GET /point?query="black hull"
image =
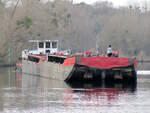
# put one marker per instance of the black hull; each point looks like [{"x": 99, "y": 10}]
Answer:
[{"x": 83, "y": 73}]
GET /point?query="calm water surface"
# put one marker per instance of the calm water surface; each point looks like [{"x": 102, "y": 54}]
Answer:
[{"x": 32, "y": 94}]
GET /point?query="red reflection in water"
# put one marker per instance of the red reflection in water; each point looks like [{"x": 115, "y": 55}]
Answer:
[
  {"x": 92, "y": 96},
  {"x": 19, "y": 79}
]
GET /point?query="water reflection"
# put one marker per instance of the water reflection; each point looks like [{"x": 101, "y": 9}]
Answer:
[
  {"x": 121, "y": 85},
  {"x": 27, "y": 93},
  {"x": 97, "y": 92}
]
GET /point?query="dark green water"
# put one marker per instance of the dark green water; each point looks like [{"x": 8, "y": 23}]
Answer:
[{"x": 32, "y": 94}]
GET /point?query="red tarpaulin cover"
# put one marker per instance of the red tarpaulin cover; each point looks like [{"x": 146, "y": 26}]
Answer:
[{"x": 102, "y": 62}]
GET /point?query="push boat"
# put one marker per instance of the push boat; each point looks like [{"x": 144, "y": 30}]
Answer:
[{"x": 47, "y": 62}]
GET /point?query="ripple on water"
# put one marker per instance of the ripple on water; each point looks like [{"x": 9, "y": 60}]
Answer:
[{"x": 31, "y": 94}]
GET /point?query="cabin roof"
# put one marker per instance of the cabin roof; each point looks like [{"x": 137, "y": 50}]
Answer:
[{"x": 43, "y": 41}]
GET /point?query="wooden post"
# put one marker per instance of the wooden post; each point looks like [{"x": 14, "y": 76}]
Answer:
[{"x": 9, "y": 56}]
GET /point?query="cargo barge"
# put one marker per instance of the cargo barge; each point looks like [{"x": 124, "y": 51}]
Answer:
[{"x": 71, "y": 67}]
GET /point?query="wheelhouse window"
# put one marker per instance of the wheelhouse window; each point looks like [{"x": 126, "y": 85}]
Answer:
[
  {"x": 47, "y": 51},
  {"x": 54, "y": 44},
  {"x": 48, "y": 45},
  {"x": 41, "y": 44}
]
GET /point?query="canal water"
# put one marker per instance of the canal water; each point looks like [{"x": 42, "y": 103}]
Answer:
[{"x": 21, "y": 93}]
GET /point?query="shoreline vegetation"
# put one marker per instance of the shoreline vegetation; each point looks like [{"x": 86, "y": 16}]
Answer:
[{"x": 76, "y": 26}]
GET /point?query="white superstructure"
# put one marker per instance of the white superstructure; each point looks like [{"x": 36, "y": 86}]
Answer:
[{"x": 43, "y": 47}]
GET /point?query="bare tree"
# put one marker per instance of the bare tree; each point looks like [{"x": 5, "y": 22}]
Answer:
[{"x": 77, "y": 26}]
